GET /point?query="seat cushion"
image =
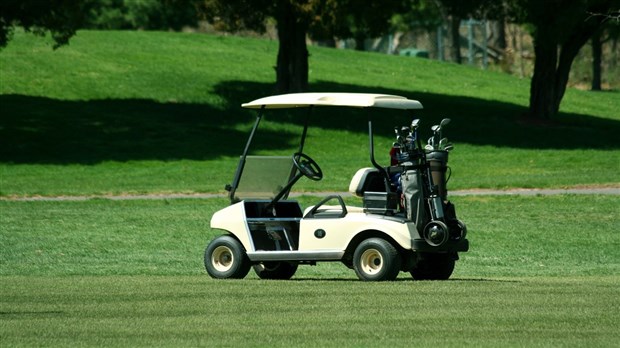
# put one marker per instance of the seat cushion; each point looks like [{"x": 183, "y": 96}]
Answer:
[{"x": 366, "y": 179}]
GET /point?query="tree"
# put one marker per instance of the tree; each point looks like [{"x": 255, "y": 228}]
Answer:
[
  {"x": 295, "y": 20},
  {"x": 609, "y": 31},
  {"x": 61, "y": 18},
  {"x": 292, "y": 18},
  {"x": 416, "y": 14},
  {"x": 359, "y": 19},
  {"x": 559, "y": 29},
  {"x": 597, "y": 54},
  {"x": 142, "y": 14},
  {"x": 292, "y": 61}
]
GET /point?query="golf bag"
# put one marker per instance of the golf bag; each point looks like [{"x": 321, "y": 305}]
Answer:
[
  {"x": 423, "y": 189},
  {"x": 413, "y": 197}
]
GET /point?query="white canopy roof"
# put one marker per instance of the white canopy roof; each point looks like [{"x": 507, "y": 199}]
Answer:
[{"x": 360, "y": 100}]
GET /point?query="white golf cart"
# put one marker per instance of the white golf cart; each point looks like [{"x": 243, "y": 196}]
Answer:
[{"x": 404, "y": 224}]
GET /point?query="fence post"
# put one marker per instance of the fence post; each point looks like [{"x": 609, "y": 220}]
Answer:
[
  {"x": 485, "y": 45},
  {"x": 470, "y": 42}
]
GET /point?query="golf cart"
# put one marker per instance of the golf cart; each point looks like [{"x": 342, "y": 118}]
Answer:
[{"x": 405, "y": 224}]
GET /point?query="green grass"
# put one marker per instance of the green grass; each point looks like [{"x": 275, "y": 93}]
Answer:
[
  {"x": 138, "y": 112},
  {"x": 542, "y": 271},
  {"x": 517, "y": 236},
  {"x": 128, "y": 112},
  {"x": 140, "y": 311}
]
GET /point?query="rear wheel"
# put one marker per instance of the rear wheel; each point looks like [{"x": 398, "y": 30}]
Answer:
[
  {"x": 226, "y": 258},
  {"x": 275, "y": 270},
  {"x": 375, "y": 259},
  {"x": 434, "y": 267}
]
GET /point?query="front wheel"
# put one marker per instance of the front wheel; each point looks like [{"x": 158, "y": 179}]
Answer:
[
  {"x": 275, "y": 270},
  {"x": 375, "y": 259},
  {"x": 226, "y": 258}
]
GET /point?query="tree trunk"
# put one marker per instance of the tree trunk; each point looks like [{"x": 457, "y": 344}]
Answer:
[
  {"x": 542, "y": 88},
  {"x": 569, "y": 51},
  {"x": 597, "y": 53},
  {"x": 551, "y": 77},
  {"x": 455, "y": 38},
  {"x": 551, "y": 71},
  {"x": 292, "y": 62}
]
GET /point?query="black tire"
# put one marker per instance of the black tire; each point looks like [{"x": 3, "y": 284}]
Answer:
[
  {"x": 434, "y": 267},
  {"x": 226, "y": 258},
  {"x": 275, "y": 270},
  {"x": 375, "y": 259}
]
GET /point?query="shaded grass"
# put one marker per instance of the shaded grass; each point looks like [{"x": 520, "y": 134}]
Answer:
[{"x": 143, "y": 112}]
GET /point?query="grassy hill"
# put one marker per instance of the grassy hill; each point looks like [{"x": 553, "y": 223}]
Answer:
[{"x": 118, "y": 112}]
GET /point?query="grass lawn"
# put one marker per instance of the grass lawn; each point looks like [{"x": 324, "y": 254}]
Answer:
[
  {"x": 542, "y": 271},
  {"x": 509, "y": 236},
  {"x": 142, "y": 311},
  {"x": 140, "y": 112},
  {"x": 153, "y": 112}
]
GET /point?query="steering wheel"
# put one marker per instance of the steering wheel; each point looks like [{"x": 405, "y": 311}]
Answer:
[{"x": 307, "y": 166}]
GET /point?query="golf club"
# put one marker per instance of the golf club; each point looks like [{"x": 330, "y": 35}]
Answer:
[{"x": 442, "y": 143}]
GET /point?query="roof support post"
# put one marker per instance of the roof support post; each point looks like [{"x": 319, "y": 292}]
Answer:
[
  {"x": 233, "y": 187},
  {"x": 305, "y": 131},
  {"x": 386, "y": 177}
]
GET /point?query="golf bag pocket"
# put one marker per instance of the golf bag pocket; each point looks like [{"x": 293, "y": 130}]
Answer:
[{"x": 413, "y": 197}]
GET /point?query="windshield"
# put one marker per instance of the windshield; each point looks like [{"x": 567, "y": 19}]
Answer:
[{"x": 264, "y": 176}]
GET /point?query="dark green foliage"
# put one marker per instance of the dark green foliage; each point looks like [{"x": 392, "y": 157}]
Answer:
[
  {"x": 59, "y": 17},
  {"x": 142, "y": 14}
]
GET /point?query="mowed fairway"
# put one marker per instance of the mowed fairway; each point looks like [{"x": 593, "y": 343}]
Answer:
[
  {"x": 195, "y": 310},
  {"x": 542, "y": 271}
]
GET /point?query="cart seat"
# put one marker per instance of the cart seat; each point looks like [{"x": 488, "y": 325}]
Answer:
[{"x": 366, "y": 179}]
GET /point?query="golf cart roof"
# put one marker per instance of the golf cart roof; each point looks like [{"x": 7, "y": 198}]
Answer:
[{"x": 360, "y": 100}]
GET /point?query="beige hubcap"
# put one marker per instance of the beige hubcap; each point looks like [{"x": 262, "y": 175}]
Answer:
[
  {"x": 222, "y": 258},
  {"x": 371, "y": 261}
]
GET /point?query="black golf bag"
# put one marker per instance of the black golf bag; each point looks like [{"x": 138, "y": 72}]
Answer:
[{"x": 423, "y": 186}]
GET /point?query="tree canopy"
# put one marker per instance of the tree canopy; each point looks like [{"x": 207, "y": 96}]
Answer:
[
  {"x": 142, "y": 14},
  {"x": 59, "y": 17},
  {"x": 62, "y": 18}
]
